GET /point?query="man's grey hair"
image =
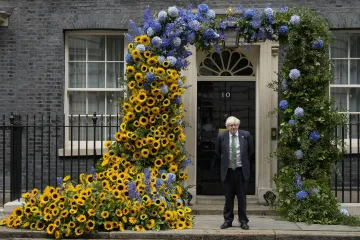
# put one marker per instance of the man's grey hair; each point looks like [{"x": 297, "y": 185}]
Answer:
[{"x": 232, "y": 120}]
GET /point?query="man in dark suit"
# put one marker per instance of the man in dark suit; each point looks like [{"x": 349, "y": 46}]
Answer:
[{"x": 234, "y": 148}]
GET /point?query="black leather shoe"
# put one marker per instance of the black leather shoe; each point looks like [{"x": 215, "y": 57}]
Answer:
[
  {"x": 244, "y": 225},
  {"x": 225, "y": 225}
]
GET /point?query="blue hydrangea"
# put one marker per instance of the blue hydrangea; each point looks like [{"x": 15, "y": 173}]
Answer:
[
  {"x": 129, "y": 58},
  {"x": 159, "y": 183},
  {"x": 295, "y": 19},
  {"x": 314, "y": 190},
  {"x": 156, "y": 41},
  {"x": 301, "y": 195},
  {"x": 294, "y": 74},
  {"x": 185, "y": 163},
  {"x": 191, "y": 38},
  {"x": 164, "y": 89},
  {"x": 150, "y": 31},
  {"x": 177, "y": 101},
  {"x": 173, "y": 12},
  {"x": 292, "y": 122},
  {"x": 203, "y": 8},
  {"x": 194, "y": 25},
  {"x": 162, "y": 171},
  {"x": 150, "y": 77},
  {"x": 318, "y": 44},
  {"x": 299, "y": 183},
  {"x": 59, "y": 181},
  {"x": 249, "y": 14},
  {"x": 314, "y": 136},
  {"x": 283, "y": 105},
  {"x": 177, "y": 42},
  {"x": 283, "y": 30},
  {"x": 146, "y": 86},
  {"x": 256, "y": 23},
  {"x": 345, "y": 212},
  {"x": 210, "y": 34},
  {"x": 172, "y": 60},
  {"x": 283, "y": 9},
  {"x": 299, "y": 154},
  {"x": 180, "y": 83},
  {"x": 162, "y": 15},
  {"x": 161, "y": 59},
  {"x": 269, "y": 13},
  {"x": 210, "y": 14},
  {"x": 284, "y": 85},
  {"x": 299, "y": 112},
  {"x": 141, "y": 47},
  {"x": 92, "y": 170}
]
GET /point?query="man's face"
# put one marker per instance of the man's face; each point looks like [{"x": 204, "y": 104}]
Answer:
[{"x": 233, "y": 128}]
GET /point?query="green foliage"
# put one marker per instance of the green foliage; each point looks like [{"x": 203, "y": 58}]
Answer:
[{"x": 310, "y": 92}]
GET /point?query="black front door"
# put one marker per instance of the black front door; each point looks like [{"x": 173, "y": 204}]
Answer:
[{"x": 216, "y": 101}]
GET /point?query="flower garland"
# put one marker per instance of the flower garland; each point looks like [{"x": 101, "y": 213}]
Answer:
[{"x": 138, "y": 182}]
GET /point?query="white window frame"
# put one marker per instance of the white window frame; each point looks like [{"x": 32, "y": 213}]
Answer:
[
  {"x": 354, "y": 141},
  {"x": 90, "y": 144}
]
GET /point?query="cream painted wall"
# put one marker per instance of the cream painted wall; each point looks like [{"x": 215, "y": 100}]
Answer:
[{"x": 265, "y": 59}]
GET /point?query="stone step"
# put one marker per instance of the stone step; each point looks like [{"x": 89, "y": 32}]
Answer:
[
  {"x": 200, "y": 199},
  {"x": 218, "y": 209}
]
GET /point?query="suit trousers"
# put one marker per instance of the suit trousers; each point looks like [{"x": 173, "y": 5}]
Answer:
[{"x": 235, "y": 184}]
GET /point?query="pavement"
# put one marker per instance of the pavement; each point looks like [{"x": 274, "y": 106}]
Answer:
[{"x": 207, "y": 227}]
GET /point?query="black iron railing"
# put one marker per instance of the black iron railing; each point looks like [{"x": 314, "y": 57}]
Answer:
[{"x": 35, "y": 150}]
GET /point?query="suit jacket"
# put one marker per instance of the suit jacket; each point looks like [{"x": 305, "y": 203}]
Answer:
[{"x": 246, "y": 150}]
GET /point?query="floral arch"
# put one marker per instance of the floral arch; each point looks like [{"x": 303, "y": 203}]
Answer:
[{"x": 138, "y": 183}]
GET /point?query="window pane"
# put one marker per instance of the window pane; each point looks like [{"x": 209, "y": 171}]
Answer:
[
  {"x": 355, "y": 71},
  {"x": 339, "y": 48},
  {"x": 77, "y": 48},
  {"x": 340, "y": 96},
  {"x": 355, "y": 128},
  {"x": 355, "y": 45},
  {"x": 354, "y": 99},
  {"x": 96, "y": 75},
  {"x": 77, "y": 103},
  {"x": 86, "y": 132},
  {"x": 96, "y": 101},
  {"x": 114, "y": 72},
  {"x": 340, "y": 71},
  {"x": 96, "y": 48},
  {"x": 113, "y": 105},
  {"x": 77, "y": 77},
  {"x": 115, "y": 48},
  {"x": 114, "y": 127}
]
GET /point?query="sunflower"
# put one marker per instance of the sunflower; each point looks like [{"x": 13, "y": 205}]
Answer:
[
  {"x": 181, "y": 137},
  {"x": 139, "y": 77},
  {"x": 35, "y": 191},
  {"x": 138, "y": 39},
  {"x": 180, "y": 212},
  {"x": 72, "y": 224},
  {"x": 164, "y": 176},
  {"x": 50, "y": 229},
  {"x": 150, "y": 101},
  {"x": 174, "y": 87},
  {"x": 136, "y": 123},
  {"x": 179, "y": 204},
  {"x": 164, "y": 142},
  {"x": 180, "y": 225},
  {"x": 137, "y": 58},
  {"x": 153, "y": 151},
  {"x": 67, "y": 178},
  {"x": 81, "y": 218},
  {"x": 104, "y": 214},
  {"x": 130, "y": 70},
  {"x": 18, "y": 211},
  {"x": 143, "y": 120},
  {"x": 141, "y": 97},
  {"x": 145, "y": 153},
  {"x": 151, "y": 61},
  {"x": 130, "y": 46},
  {"x": 39, "y": 225},
  {"x": 138, "y": 108},
  {"x": 131, "y": 84},
  {"x": 135, "y": 52},
  {"x": 144, "y": 39},
  {"x": 55, "y": 212},
  {"x": 166, "y": 102},
  {"x": 147, "y": 54},
  {"x": 107, "y": 144},
  {"x": 144, "y": 68},
  {"x": 78, "y": 231},
  {"x": 130, "y": 115},
  {"x": 155, "y": 110},
  {"x": 166, "y": 63}
]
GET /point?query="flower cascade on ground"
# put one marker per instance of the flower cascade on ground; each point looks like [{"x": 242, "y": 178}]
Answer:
[{"x": 138, "y": 182}]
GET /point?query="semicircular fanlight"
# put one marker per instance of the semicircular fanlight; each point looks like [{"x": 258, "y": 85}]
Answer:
[{"x": 226, "y": 63}]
